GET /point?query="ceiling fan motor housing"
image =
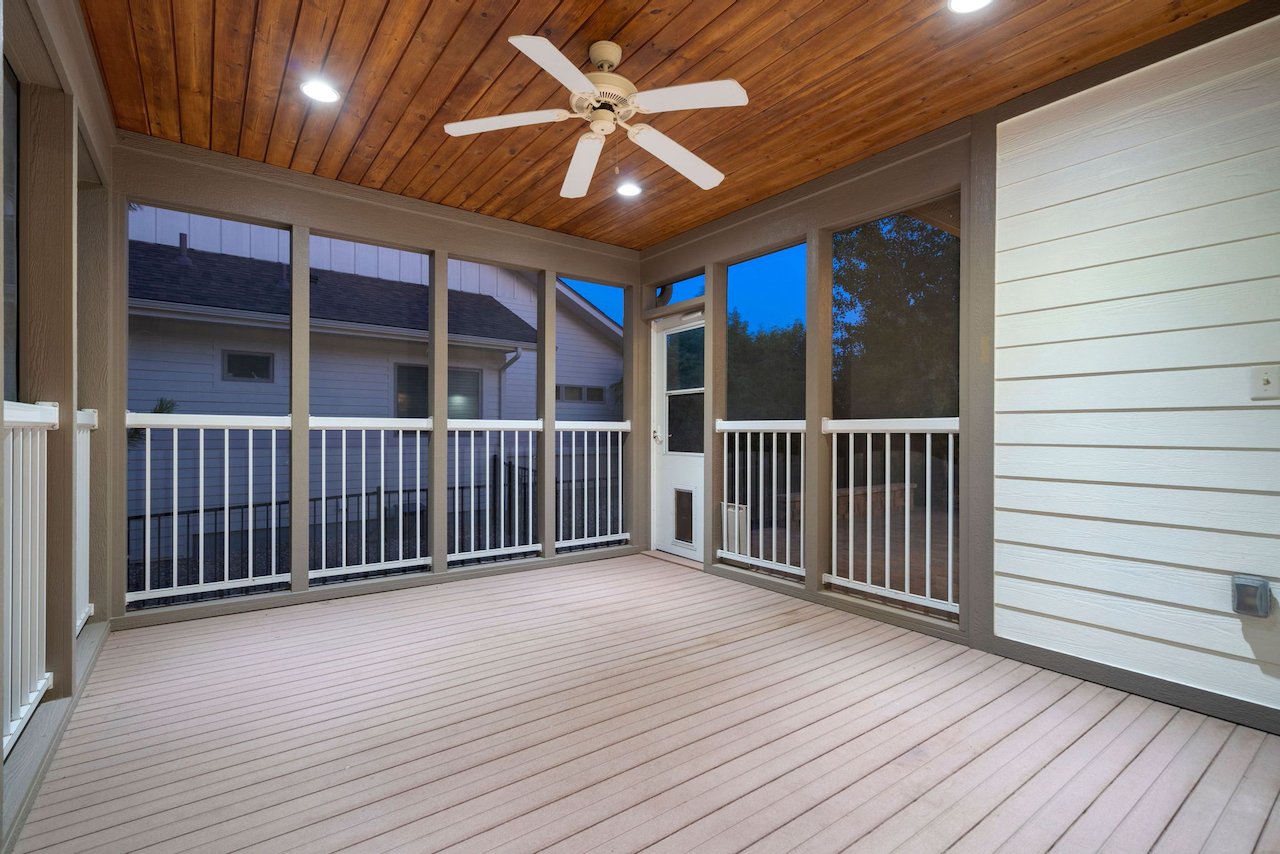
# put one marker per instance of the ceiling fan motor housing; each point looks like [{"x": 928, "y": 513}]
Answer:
[{"x": 614, "y": 99}]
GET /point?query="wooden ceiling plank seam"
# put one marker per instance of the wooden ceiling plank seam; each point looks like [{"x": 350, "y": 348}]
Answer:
[
  {"x": 306, "y": 57},
  {"x": 392, "y": 38},
  {"x": 341, "y": 70},
  {"x": 488, "y": 64},
  {"x": 516, "y": 176},
  {"x": 233, "y": 30},
  {"x": 464, "y": 163},
  {"x": 436, "y": 31},
  {"x": 514, "y": 75},
  {"x": 193, "y": 48},
  {"x": 111, "y": 23},
  {"x": 906, "y": 128},
  {"x": 273, "y": 36},
  {"x": 488, "y": 153},
  {"x": 774, "y": 108},
  {"x": 157, "y": 65}
]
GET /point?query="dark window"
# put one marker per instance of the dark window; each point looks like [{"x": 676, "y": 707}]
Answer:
[
  {"x": 595, "y": 395},
  {"x": 248, "y": 367},
  {"x": 412, "y": 396},
  {"x": 464, "y": 393},
  {"x": 10, "y": 234},
  {"x": 684, "y": 359},
  {"x": 573, "y": 393}
]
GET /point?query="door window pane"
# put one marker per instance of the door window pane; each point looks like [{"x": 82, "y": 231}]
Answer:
[
  {"x": 684, "y": 359},
  {"x": 684, "y": 423}
]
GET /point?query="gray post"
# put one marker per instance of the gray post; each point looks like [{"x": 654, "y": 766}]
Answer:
[
  {"x": 299, "y": 407},
  {"x": 438, "y": 475},
  {"x": 547, "y": 412},
  {"x": 817, "y": 405}
]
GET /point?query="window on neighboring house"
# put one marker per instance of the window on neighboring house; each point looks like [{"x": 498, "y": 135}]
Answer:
[
  {"x": 464, "y": 393},
  {"x": 578, "y": 393},
  {"x": 248, "y": 367},
  {"x": 10, "y": 234},
  {"x": 412, "y": 395}
]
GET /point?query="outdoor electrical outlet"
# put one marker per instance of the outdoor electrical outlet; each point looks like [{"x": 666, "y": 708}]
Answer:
[{"x": 1264, "y": 382}]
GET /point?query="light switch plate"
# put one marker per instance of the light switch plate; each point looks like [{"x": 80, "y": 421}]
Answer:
[{"x": 1264, "y": 382}]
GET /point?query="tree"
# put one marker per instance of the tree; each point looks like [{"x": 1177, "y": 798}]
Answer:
[
  {"x": 896, "y": 320},
  {"x": 766, "y": 371}
]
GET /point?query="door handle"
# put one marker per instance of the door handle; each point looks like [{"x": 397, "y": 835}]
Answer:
[{"x": 657, "y": 438}]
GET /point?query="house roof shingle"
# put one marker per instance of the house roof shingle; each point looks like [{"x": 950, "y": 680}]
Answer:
[{"x": 214, "y": 280}]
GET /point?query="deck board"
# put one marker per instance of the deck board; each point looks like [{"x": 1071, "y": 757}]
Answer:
[{"x": 621, "y": 705}]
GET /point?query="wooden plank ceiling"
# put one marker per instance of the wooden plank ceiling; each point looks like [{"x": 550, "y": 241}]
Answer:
[{"x": 830, "y": 82}]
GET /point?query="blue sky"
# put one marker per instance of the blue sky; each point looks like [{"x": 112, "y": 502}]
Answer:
[{"x": 767, "y": 291}]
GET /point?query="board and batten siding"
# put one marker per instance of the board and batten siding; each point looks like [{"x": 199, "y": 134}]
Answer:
[{"x": 1137, "y": 280}]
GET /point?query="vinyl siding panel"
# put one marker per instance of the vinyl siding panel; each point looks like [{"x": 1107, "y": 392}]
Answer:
[{"x": 1137, "y": 281}]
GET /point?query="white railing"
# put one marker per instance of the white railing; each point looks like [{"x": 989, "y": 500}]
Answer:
[
  {"x": 208, "y": 504},
  {"x": 762, "y": 514},
  {"x": 369, "y": 483},
  {"x": 589, "y": 486},
  {"x": 492, "y": 508},
  {"x": 894, "y": 509},
  {"x": 26, "y": 477},
  {"x": 82, "y": 608}
]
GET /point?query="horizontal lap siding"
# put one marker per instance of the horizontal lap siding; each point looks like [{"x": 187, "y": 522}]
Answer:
[{"x": 1138, "y": 279}]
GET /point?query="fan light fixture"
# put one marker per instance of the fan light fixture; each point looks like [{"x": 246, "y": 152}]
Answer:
[
  {"x": 965, "y": 6},
  {"x": 608, "y": 102},
  {"x": 318, "y": 90}
]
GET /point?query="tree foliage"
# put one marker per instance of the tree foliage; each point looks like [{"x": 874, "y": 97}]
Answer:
[
  {"x": 766, "y": 370},
  {"x": 896, "y": 320}
]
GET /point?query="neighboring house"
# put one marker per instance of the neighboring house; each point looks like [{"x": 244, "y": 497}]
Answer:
[
  {"x": 209, "y": 329},
  {"x": 209, "y": 304}
]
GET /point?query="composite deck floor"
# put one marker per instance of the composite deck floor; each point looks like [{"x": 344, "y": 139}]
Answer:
[{"x": 621, "y": 705}]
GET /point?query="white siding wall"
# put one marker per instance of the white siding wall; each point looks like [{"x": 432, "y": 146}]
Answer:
[{"x": 1138, "y": 278}]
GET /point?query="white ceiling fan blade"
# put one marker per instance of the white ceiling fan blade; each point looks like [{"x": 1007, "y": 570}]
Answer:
[
  {"x": 583, "y": 166},
  {"x": 676, "y": 156},
  {"x": 511, "y": 120},
  {"x": 553, "y": 62},
  {"x": 691, "y": 96}
]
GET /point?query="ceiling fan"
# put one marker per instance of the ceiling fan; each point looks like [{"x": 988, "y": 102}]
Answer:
[{"x": 607, "y": 101}]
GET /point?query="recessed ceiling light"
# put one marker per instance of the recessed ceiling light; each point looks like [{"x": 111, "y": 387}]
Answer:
[
  {"x": 628, "y": 188},
  {"x": 964, "y": 6},
  {"x": 318, "y": 90}
]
